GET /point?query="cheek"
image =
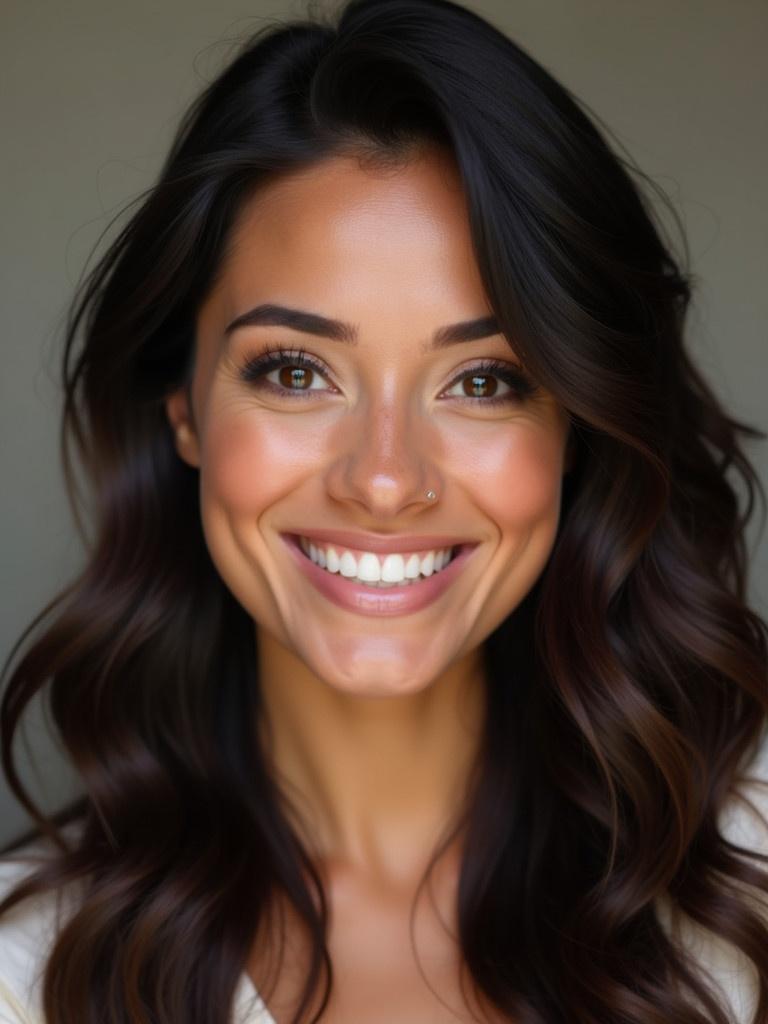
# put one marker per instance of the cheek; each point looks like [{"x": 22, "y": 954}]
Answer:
[
  {"x": 246, "y": 462},
  {"x": 516, "y": 477}
]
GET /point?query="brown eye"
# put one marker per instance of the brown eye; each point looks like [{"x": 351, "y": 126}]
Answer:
[
  {"x": 294, "y": 378},
  {"x": 296, "y": 372},
  {"x": 480, "y": 385}
]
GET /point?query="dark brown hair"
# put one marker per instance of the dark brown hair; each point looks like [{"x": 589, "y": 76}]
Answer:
[{"x": 626, "y": 693}]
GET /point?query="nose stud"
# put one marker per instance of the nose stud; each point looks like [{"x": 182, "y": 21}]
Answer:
[{"x": 431, "y": 495}]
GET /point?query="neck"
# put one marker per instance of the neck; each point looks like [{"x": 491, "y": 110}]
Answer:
[{"x": 371, "y": 783}]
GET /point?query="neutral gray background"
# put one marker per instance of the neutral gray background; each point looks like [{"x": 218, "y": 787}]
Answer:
[{"x": 90, "y": 93}]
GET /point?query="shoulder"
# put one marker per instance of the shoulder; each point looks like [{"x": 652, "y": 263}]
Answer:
[
  {"x": 741, "y": 820},
  {"x": 741, "y": 823},
  {"x": 27, "y": 932}
]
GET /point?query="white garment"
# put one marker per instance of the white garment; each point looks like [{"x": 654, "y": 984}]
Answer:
[{"x": 27, "y": 932}]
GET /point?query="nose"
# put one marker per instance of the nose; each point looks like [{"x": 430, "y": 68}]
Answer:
[{"x": 387, "y": 461}]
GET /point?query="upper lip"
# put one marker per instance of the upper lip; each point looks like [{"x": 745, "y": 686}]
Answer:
[{"x": 382, "y": 545}]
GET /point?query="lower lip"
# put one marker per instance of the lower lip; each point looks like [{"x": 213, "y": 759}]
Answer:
[{"x": 356, "y": 597}]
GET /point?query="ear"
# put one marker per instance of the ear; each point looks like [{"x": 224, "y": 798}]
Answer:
[{"x": 177, "y": 407}]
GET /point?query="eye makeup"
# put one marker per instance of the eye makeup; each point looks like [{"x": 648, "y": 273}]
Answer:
[{"x": 270, "y": 357}]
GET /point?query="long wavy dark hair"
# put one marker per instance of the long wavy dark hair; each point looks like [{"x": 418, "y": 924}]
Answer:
[{"x": 627, "y": 692}]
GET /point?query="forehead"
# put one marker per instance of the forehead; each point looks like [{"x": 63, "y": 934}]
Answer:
[{"x": 341, "y": 235}]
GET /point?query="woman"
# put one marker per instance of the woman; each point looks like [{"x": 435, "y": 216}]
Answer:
[{"x": 410, "y": 676}]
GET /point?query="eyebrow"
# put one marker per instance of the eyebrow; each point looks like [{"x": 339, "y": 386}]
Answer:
[{"x": 272, "y": 315}]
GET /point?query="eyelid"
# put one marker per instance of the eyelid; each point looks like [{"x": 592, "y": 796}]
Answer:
[{"x": 491, "y": 364}]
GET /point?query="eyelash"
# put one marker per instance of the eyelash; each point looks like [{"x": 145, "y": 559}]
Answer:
[{"x": 271, "y": 358}]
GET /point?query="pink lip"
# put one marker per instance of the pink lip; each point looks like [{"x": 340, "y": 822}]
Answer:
[
  {"x": 361, "y": 541},
  {"x": 373, "y": 601}
]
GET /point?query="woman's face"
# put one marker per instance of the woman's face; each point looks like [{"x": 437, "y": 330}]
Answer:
[{"x": 355, "y": 440}]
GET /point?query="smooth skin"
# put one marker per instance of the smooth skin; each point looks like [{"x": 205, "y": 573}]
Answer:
[{"x": 371, "y": 724}]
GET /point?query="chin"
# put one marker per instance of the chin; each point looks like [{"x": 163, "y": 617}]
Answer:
[
  {"x": 377, "y": 687},
  {"x": 361, "y": 664}
]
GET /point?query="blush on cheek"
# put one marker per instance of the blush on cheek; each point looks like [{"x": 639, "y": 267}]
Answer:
[
  {"x": 521, "y": 481},
  {"x": 529, "y": 492},
  {"x": 244, "y": 467}
]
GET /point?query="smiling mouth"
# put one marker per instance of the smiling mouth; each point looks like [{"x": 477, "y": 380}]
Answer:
[
  {"x": 399, "y": 570},
  {"x": 397, "y": 599}
]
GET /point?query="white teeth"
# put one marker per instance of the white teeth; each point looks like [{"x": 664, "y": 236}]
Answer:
[
  {"x": 348, "y": 565},
  {"x": 393, "y": 570},
  {"x": 368, "y": 568},
  {"x": 412, "y": 567}
]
